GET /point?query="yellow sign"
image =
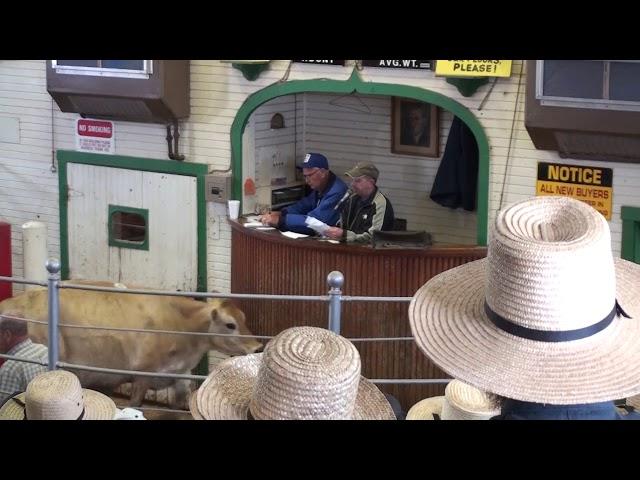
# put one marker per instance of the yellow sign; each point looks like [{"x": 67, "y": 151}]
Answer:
[
  {"x": 474, "y": 68},
  {"x": 592, "y": 185}
]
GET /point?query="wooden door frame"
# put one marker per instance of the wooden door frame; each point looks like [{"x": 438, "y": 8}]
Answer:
[
  {"x": 198, "y": 170},
  {"x": 355, "y": 84}
]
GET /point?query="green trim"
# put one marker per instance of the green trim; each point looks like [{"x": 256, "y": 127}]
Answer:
[
  {"x": 467, "y": 86},
  {"x": 197, "y": 170},
  {"x": 202, "y": 231},
  {"x": 114, "y": 242},
  {"x": 251, "y": 71},
  {"x": 630, "y": 213},
  {"x": 355, "y": 84},
  {"x": 630, "y": 234},
  {"x": 63, "y": 202},
  {"x": 134, "y": 163}
]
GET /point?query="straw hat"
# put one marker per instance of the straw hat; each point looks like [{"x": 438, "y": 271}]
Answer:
[
  {"x": 426, "y": 409},
  {"x": 460, "y": 402},
  {"x": 305, "y": 373},
  {"x": 57, "y": 395},
  {"x": 193, "y": 406},
  {"x": 634, "y": 402},
  {"x": 552, "y": 289}
]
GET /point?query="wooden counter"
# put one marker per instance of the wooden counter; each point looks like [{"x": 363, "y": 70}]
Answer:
[{"x": 269, "y": 263}]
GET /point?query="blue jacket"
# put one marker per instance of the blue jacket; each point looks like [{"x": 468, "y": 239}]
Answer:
[
  {"x": 516, "y": 410},
  {"x": 317, "y": 205}
]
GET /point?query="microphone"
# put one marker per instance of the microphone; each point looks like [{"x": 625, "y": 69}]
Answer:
[{"x": 346, "y": 195}]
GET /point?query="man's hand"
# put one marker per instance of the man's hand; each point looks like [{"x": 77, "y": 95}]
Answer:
[
  {"x": 335, "y": 233},
  {"x": 272, "y": 219}
]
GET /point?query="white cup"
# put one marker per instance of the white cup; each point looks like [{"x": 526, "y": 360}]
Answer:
[{"x": 234, "y": 209}]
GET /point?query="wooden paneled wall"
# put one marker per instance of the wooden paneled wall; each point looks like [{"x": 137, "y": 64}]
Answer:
[{"x": 268, "y": 263}]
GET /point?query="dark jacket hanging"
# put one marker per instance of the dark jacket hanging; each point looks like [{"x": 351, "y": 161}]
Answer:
[{"x": 456, "y": 182}]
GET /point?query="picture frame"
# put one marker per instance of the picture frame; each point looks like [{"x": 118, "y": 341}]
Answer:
[{"x": 414, "y": 127}]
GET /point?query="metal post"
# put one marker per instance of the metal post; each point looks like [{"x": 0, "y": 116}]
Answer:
[
  {"x": 53, "y": 267},
  {"x": 335, "y": 280}
]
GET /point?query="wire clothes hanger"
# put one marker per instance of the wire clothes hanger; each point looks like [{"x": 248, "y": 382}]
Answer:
[{"x": 357, "y": 106}]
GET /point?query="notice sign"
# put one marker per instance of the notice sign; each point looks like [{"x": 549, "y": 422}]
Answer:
[
  {"x": 322, "y": 62},
  {"x": 95, "y": 136},
  {"x": 410, "y": 64},
  {"x": 474, "y": 68},
  {"x": 592, "y": 185}
]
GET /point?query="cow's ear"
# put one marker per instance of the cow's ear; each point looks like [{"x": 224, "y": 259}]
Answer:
[{"x": 226, "y": 303}]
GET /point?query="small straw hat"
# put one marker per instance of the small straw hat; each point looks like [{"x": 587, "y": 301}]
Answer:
[
  {"x": 427, "y": 409},
  {"x": 305, "y": 373},
  {"x": 542, "y": 318},
  {"x": 460, "y": 402},
  {"x": 57, "y": 395},
  {"x": 634, "y": 402}
]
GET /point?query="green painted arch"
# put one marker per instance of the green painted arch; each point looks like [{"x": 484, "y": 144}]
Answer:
[{"x": 356, "y": 85}]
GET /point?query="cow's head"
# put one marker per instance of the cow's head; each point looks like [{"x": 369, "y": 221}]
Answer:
[{"x": 228, "y": 318}]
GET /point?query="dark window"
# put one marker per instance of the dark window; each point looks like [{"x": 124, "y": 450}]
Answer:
[
  {"x": 124, "y": 64},
  {"x": 79, "y": 63},
  {"x": 573, "y": 78},
  {"x": 624, "y": 82},
  {"x": 104, "y": 68},
  {"x": 128, "y": 227},
  {"x": 610, "y": 84}
]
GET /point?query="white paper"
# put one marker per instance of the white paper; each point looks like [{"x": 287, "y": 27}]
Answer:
[
  {"x": 253, "y": 224},
  {"x": 317, "y": 225},
  {"x": 328, "y": 240},
  {"x": 294, "y": 234}
]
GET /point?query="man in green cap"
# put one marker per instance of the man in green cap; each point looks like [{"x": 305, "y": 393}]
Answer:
[{"x": 365, "y": 210}]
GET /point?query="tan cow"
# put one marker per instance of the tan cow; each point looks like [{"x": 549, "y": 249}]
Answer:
[{"x": 128, "y": 350}]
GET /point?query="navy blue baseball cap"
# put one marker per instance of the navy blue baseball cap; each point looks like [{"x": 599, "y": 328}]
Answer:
[{"x": 314, "y": 160}]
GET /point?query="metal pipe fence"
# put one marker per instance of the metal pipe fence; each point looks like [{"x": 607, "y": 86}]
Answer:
[{"x": 335, "y": 282}]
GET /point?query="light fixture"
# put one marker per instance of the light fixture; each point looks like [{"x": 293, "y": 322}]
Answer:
[{"x": 250, "y": 69}]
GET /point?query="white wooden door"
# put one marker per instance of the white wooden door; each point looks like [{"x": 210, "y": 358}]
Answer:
[{"x": 170, "y": 263}]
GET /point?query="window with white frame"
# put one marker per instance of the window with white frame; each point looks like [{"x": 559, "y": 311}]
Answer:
[
  {"x": 604, "y": 84},
  {"x": 105, "y": 68}
]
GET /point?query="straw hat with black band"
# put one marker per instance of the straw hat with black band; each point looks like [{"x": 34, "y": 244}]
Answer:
[
  {"x": 57, "y": 395},
  {"x": 305, "y": 373},
  {"x": 544, "y": 318}
]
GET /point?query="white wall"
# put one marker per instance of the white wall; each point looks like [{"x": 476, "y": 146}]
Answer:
[
  {"x": 353, "y": 128},
  {"x": 348, "y": 131},
  {"x": 28, "y": 189}
]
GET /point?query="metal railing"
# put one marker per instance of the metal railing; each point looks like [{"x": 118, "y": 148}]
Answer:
[{"x": 335, "y": 282}]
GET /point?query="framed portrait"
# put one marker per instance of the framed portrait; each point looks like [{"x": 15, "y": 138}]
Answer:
[{"x": 414, "y": 127}]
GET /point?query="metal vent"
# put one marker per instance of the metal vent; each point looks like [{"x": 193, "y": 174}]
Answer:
[
  {"x": 598, "y": 145},
  {"x": 111, "y": 107}
]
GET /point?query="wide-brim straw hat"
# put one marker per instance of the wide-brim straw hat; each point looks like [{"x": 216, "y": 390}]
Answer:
[
  {"x": 193, "y": 406},
  {"x": 57, "y": 396},
  {"x": 549, "y": 273},
  {"x": 304, "y": 373}
]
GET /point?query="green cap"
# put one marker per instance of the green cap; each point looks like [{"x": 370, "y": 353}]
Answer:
[{"x": 364, "y": 168}]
